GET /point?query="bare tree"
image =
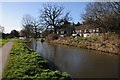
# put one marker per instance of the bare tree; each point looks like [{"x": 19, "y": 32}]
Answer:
[
  {"x": 24, "y": 33},
  {"x": 102, "y": 14},
  {"x": 30, "y": 25},
  {"x": 51, "y": 16},
  {"x": 27, "y": 23},
  {"x": 115, "y": 7},
  {"x": 37, "y": 27}
]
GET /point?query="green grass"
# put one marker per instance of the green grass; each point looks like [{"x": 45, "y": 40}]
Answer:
[
  {"x": 25, "y": 64},
  {"x": 3, "y": 41}
]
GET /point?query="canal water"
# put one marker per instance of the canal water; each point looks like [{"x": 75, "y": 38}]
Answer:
[{"x": 79, "y": 63}]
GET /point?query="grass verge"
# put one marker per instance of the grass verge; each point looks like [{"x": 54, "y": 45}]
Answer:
[
  {"x": 3, "y": 41},
  {"x": 25, "y": 64}
]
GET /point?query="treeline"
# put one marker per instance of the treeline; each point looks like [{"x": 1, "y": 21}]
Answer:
[
  {"x": 105, "y": 15},
  {"x": 12, "y": 34}
]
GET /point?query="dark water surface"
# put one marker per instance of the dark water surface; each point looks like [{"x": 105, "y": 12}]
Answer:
[{"x": 79, "y": 63}]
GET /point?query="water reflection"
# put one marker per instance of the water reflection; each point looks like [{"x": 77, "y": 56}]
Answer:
[{"x": 79, "y": 63}]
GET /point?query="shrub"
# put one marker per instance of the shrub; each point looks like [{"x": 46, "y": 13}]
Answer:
[{"x": 52, "y": 36}]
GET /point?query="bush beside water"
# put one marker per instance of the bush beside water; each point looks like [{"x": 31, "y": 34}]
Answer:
[
  {"x": 25, "y": 64},
  {"x": 52, "y": 37}
]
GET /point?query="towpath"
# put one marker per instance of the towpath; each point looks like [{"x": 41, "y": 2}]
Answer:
[{"x": 4, "y": 53}]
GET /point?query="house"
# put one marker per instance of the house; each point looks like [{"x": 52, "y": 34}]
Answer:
[
  {"x": 62, "y": 33},
  {"x": 86, "y": 30}
]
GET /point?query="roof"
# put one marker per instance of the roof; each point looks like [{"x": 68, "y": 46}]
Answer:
[{"x": 86, "y": 26}]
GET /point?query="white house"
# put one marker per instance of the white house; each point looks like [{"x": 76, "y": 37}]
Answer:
[{"x": 86, "y": 30}]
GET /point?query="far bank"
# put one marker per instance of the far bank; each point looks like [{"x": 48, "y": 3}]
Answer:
[{"x": 107, "y": 42}]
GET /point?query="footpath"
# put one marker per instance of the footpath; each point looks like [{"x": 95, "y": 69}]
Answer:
[{"x": 4, "y": 53}]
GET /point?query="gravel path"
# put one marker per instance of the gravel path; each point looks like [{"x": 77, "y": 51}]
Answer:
[{"x": 4, "y": 53}]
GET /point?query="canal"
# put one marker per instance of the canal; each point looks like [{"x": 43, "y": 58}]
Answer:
[{"x": 79, "y": 63}]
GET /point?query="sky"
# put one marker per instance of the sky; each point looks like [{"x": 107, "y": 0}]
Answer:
[{"x": 13, "y": 12}]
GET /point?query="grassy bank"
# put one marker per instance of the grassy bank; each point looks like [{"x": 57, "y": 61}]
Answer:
[
  {"x": 25, "y": 64},
  {"x": 3, "y": 41}
]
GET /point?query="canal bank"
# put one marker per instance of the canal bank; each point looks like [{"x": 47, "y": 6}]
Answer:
[
  {"x": 79, "y": 62},
  {"x": 105, "y": 42}
]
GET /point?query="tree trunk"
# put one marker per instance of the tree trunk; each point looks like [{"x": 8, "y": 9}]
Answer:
[
  {"x": 55, "y": 29},
  {"x": 35, "y": 32}
]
